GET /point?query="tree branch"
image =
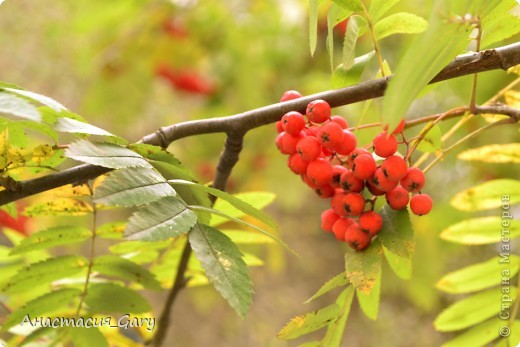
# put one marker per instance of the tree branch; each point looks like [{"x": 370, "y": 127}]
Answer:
[{"x": 499, "y": 58}]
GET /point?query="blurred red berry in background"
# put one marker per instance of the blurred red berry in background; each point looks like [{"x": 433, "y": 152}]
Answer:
[
  {"x": 186, "y": 80},
  {"x": 19, "y": 224}
]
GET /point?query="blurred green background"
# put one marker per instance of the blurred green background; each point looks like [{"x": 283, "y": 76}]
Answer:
[{"x": 131, "y": 66}]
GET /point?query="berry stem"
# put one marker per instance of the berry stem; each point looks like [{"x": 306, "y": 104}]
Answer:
[{"x": 472, "y": 102}]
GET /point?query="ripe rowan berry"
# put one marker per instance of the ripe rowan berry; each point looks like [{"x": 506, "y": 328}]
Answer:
[
  {"x": 356, "y": 238},
  {"x": 414, "y": 180},
  {"x": 336, "y": 203},
  {"x": 398, "y": 198},
  {"x": 398, "y": 129},
  {"x": 340, "y": 227},
  {"x": 290, "y": 95},
  {"x": 308, "y": 181},
  {"x": 319, "y": 171},
  {"x": 373, "y": 189},
  {"x": 279, "y": 126},
  {"x": 287, "y": 143},
  {"x": 340, "y": 120},
  {"x": 394, "y": 167},
  {"x": 353, "y": 204},
  {"x": 350, "y": 183},
  {"x": 325, "y": 191},
  {"x": 337, "y": 171},
  {"x": 330, "y": 135},
  {"x": 382, "y": 182},
  {"x": 371, "y": 222},
  {"x": 354, "y": 154},
  {"x": 328, "y": 218},
  {"x": 308, "y": 148},
  {"x": 347, "y": 144},
  {"x": 297, "y": 164},
  {"x": 384, "y": 145},
  {"x": 421, "y": 204},
  {"x": 364, "y": 166},
  {"x": 293, "y": 122},
  {"x": 318, "y": 111}
]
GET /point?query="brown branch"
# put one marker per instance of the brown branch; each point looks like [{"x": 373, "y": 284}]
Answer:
[
  {"x": 499, "y": 58},
  {"x": 228, "y": 158}
]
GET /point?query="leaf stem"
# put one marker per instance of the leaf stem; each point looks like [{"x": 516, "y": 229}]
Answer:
[{"x": 377, "y": 49}]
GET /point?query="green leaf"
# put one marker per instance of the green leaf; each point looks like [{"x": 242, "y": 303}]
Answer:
[
  {"x": 58, "y": 207},
  {"x": 112, "y": 265},
  {"x": 378, "y": 8},
  {"x": 44, "y": 272},
  {"x": 349, "y": 42},
  {"x": 401, "y": 266},
  {"x": 258, "y": 200},
  {"x": 351, "y": 5},
  {"x": 69, "y": 125},
  {"x": 488, "y": 195},
  {"x": 313, "y": 24},
  {"x": 421, "y": 62},
  {"x": 133, "y": 186},
  {"x": 105, "y": 154},
  {"x": 52, "y": 237},
  {"x": 247, "y": 237},
  {"x": 87, "y": 337},
  {"x": 342, "y": 77},
  {"x": 55, "y": 301},
  {"x": 113, "y": 298},
  {"x": 480, "y": 231},
  {"x": 11, "y": 104},
  {"x": 497, "y": 153},
  {"x": 45, "y": 100},
  {"x": 432, "y": 140},
  {"x": 479, "y": 335},
  {"x": 363, "y": 268},
  {"x": 223, "y": 264},
  {"x": 399, "y": 23},
  {"x": 473, "y": 310},
  {"x": 500, "y": 23},
  {"x": 480, "y": 276},
  {"x": 309, "y": 322},
  {"x": 337, "y": 281},
  {"x": 336, "y": 328},
  {"x": 42, "y": 128},
  {"x": 397, "y": 232},
  {"x": 335, "y": 15},
  {"x": 369, "y": 303},
  {"x": 160, "y": 220},
  {"x": 128, "y": 247},
  {"x": 241, "y": 205}
]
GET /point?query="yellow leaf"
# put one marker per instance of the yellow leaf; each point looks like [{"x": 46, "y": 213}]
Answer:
[
  {"x": 58, "y": 207},
  {"x": 497, "y": 153}
]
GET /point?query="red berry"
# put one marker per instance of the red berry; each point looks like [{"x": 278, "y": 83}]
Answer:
[
  {"x": 308, "y": 181},
  {"x": 290, "y": 95},
  {"x": 414, "y": 180},
  {"x": 279, "y": 126},
  {"x": 309, "y": 148},
  {"x": 311, "y": 131},
  {"x": 347, "y": 144},
  {"x": 287, "y": 142},
  {"x": 336, "y": 203},
  {"x": 398, "y": 129},
  {"x": 318, "y": 111},
  {"x": 385, "y": 146},
  {"x": 394, "y": 167},
  {"x": 371, "y": 222},
  {"x": 351, "y": 183},
  {"x": 356, "y": 238},
  {"x": 398, "y": 198},
  {"x": 382, "y": 182},
  {"x": 421, "y": 204},
  {"x": 373, "y": 189},
  {"x": 364, "y": 166},
  {"x": 353, "y": 204},
  {"x": 297, "y": 164},
  {"x": 319, "y": 171},
  {"x": 340, "y": 120},
  {"x": 328, "y": 218},
  {"x": 293, "y": 122},
  {"x": 325, "y": 191},
  {"x": 330, "y": 135},
  {"x": 355, "y": 153},
  {"x": 340, "y": 227},
  {"x": 337, "y": 171}
]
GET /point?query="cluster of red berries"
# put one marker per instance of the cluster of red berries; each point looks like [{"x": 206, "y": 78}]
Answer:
[{"x": 325, "y": 154}]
